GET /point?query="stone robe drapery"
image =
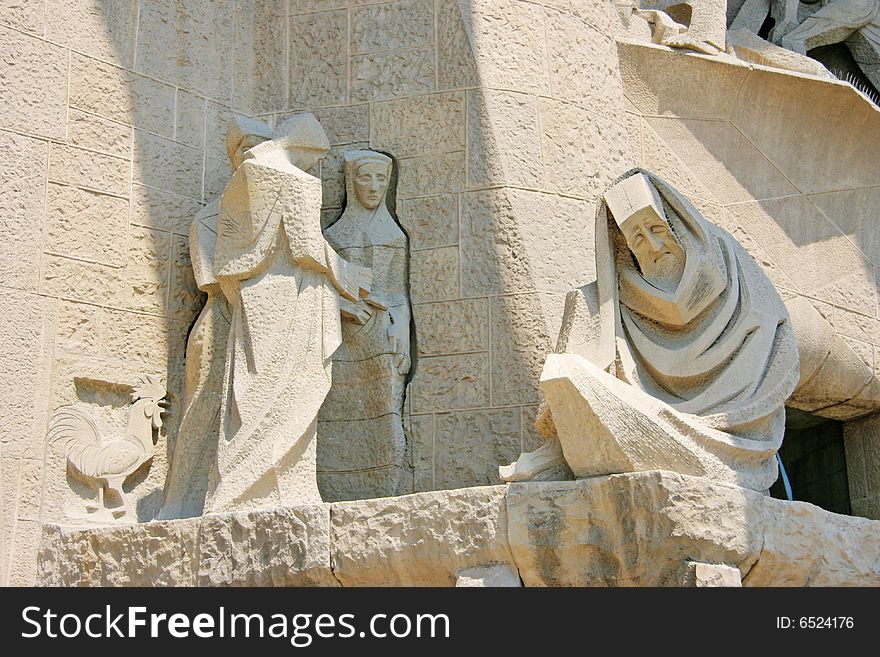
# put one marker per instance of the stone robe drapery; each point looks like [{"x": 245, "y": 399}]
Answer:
[
  {"x": 708, "y": 366},
  {"x": 283, "y": 283}
]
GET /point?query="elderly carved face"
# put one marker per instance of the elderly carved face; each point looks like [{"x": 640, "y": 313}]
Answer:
[
  {"x": 658, "y": 252},
  {"x": 370, "y": 183}
]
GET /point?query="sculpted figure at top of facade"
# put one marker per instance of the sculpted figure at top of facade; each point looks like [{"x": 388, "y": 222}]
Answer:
[
  {"x": 196, "y": 447},
  {"x": 282, "y": 282},
  {"x": 678, "y": 357},
  {"x": 361, "y": 442}
]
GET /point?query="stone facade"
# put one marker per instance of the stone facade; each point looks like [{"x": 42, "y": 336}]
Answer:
[{"x": 506, "y": 119}]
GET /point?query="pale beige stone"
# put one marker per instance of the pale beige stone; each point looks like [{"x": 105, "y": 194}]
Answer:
[
  {"x": 22, "y": 191},
  {"x": 420, "y": 433},
  {"x": 504, "y": 140},
  {"x": 147, "y": 270},
  {"x": 155, "y": 208},
  {"x": 710, "y": 575},
  {"x": 423, "y": 539},
  {"x": 450, "y": 327},
  {"x": 434, "y": 274},
  {"x": 81, "y": 281},
  {"x": 430, "y": 222},
  {"x": 86, "y": 225},
  {"x": 27, "y": 542},
  {"x": 33, "y": 80},
  {"x": 90, "y": 170},
  {"x": 333, "y": 176},
  {"x": 189, "y": 126},
  {"x": 167, "y": 165},
  {"x": 318, "y": 65},
  {"x": 456, "y": 66},
  {"x": 488, "y": 576},
  {"x": 27, "y": 15},
  {"x": 429, "y": 175},
  {"x": 392, "y": 74},
  {"x": 260, "y": 49},
  {"x": 451, "y": 382},
  {"x": 344, "y": 125},
  {"x": 97, "y": 134},
  {"x": 78, "y": 328},
  {"x": 99, "y": 29},
  {"x": 851, "y": 211},
  {"x": 470, "y": 445},
  {"x": 117, "y": 94},
  {"x": 392, "y": 26},
  {"x": 188, "y": 43},
  {"x": 420, "y": 125}
]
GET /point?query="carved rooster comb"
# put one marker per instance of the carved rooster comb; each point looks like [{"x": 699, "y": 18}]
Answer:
[{"x": 148, "y": 387}]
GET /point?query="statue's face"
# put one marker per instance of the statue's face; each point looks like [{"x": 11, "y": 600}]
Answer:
[
  {"x": 242, "y": 152},
  {"x": 370, "y": 183},
  {"x": 659, "y": 254}
]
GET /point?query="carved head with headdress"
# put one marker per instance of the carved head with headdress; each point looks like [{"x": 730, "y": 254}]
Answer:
[{"x": 367, "y": 175}]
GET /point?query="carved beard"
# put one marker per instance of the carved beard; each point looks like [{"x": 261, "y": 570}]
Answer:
[{"x": 665, "y": 273}]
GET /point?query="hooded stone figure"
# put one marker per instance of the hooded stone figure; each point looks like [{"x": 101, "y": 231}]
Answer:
[
  {"x": 679, "y": 357},
  {"x": 283, "y": 283},
  {"x": 196, "y": 447},
  {"x": 361, "y": 442}
]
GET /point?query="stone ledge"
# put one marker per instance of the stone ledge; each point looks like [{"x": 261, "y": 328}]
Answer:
[{"x": 641, "y": 529}]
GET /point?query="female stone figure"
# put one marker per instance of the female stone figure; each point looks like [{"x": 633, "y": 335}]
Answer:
[
  {"x": 283, "y": 283},
  {"x": 361, "y": 442}
]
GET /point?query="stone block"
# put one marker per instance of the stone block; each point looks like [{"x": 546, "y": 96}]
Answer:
[
  {"x": 76, "y": 280},
  {"x": 216, "y": 177},
  {"x": 188, "y": 43},
  {"x": 99, "y": 29},
  {"x": 456, "y": 66},
  {"x": 24, "y": 556},
  {"x": 520, "y": 343},
  {"x": 154, "y": 208},
  {"x": 470, "y": 445},
  {"x": 189, "y": 127},
  {"x": 147, "y": 270},
  {"x": 583, "y": 64},
  {"x": 420, "y": 125},
  {"x": 711, "y": 575},
  {"x": 433, "y": 274},
  {"x": 488, "y": 576},
  {"x": 423, "y": 539},
  {"x": 596, "y": 13},
  {"x": 511, "y": 50},
  {"x": 531, "y": 439},
  {"x": 30, "y": 483},
  {"x": 86, "y": 225},
  {"x": 852, "y": 210},
  {"x": 504, "y": 141},
  {"x": 133, "y": 338},
  {"x": 583, "y": 152},
  {"x": 420, "y": 431},
  {"x": 33, "y": 83},
  {"x": 392, "y": 26},
  {"x": 646, "y": 73},
  {"x": 392, "y": 74},
  {"x": 218, "y": 118},
  {"x": 281, "y": 547},
  {"x": 167, "y": 165},
  {"x": 429, "y": 222},
  {"x": 514, "y": 241},
  {"x": 185, "y": 300},
  {"x": 78, "y": 328},
  {"x": 807, "y": 546},
  {"x": 27, "y": 15},
  {"x": 97, "y": 134},
  {"x": 344, "y": 125},
  {"x": 451, "y": 382},
  {"x": 318, "y": 60},
  {"x": 103, "y": 173},
  {"x": 855, "y": 290},
  {"x": 630, "y": 530},
  {"x": 659, "y": 158},
  {"x": 260, "y": 70},
  {"x": 450, "y": 327},
  {"x": 429, "y": 175},
  {"x": 22, "y": 191},
  {"x": 120, "y": 95}
]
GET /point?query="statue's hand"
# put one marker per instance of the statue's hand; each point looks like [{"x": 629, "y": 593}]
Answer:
[{"x": 398, "y": 341}]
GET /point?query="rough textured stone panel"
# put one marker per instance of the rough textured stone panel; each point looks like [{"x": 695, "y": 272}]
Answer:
[
  {"x": 86, "y": 225},
  {"x": 433, "y": 274},
  {"x": 33, "y": 84},
  {"x": 22, "y": 188},
  {"x": 167, "y": 165},
  {"x": 470, "y": 445},
  {"x": 78, "y": 328},
  {"x": 97, "y": 134},
  {"x": 520, "y": 343},
  {"x": 452, "y": 326},
  {"x": 260, "y": 70},
  {"x": 189, "y": 125},
  {"x": 75, "y": 166},
  {"x": 155, "y": 208},
  {"x": 391, "y": 26},
  {"x": 456, "y": 66},
  {"x": 420, "y": 125},
  {"x": 147, "y": 271},
  {"x": 96, "y": 28},
  {"x": 431, "y": 174},
  {"x": 344, "y": 125},
  {"x": 503, "y": 139},
  {"x": 422, "y": 539},
  {"x": 420, "y": 429},
  {"x": 392, "y": 74},
  {"x": 27, "y": 15},
  {"x": 853, "y": 212},
  {"x": 429, "y": 222},
  {"x": 81, "y": 281},
  {"x": 318, "y": 59},
  {"x": 451, "y": 382}
]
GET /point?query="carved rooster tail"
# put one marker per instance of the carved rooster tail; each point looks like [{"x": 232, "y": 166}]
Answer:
[{"x": 77, "y": 435}]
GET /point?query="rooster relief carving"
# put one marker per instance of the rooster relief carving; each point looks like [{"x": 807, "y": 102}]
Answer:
[{"x": 110, "y": 460}]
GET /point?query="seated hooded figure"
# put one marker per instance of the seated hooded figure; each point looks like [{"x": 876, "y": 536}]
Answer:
[{"x": 678, "y": 357}]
